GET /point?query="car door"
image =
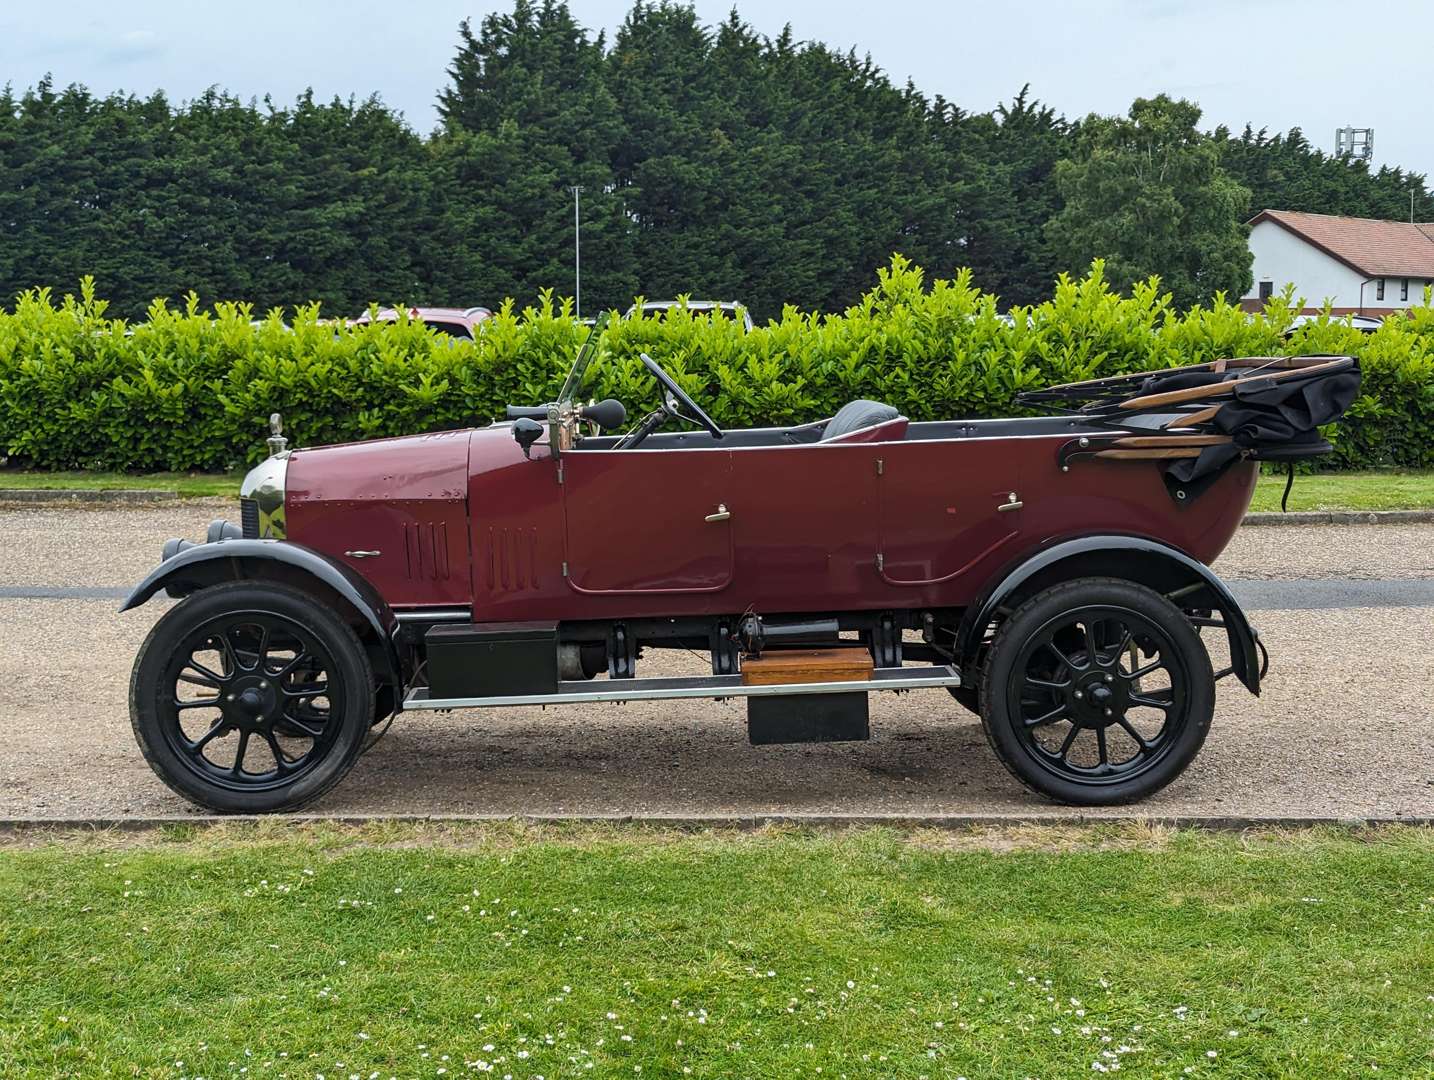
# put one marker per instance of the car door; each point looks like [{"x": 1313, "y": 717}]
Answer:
[
  {"x": 944, "y": 508},
  {"x": 646, "y": 521},
  {"x": 804, "y": 521}
]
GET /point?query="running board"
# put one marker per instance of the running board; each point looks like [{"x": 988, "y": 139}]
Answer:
[{"x": 710, "y": 686}]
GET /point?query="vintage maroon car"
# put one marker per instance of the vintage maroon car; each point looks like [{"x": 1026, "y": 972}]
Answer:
[{"x": 1050, "y": 572}]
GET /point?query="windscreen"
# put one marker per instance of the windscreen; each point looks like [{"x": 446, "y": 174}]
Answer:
[{"x": 578, "y": 375}]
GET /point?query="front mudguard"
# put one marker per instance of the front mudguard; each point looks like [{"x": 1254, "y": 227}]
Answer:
[
  {"x": 1186, "y": 582},
  {"x": 186, "y": 568}
]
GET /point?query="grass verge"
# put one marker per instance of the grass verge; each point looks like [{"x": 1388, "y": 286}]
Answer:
[
  {"x": 527, "y": 951},
  {"x": 1376, "y": 489},
  {"x": 189, "y": 485}
]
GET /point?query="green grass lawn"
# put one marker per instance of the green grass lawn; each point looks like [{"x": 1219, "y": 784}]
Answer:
[
  {"x": 1391, "y": 489},
  {"x": 525, "y": 951},
  {"x": 189, "y": 485}
]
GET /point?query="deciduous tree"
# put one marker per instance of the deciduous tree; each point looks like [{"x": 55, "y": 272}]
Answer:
[{"x": 1146, "y": 193}]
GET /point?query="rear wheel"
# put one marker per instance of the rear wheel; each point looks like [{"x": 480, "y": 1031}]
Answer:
[
  {"x": 1097, "y": 692},
  {"x": 251, "y": 698}
]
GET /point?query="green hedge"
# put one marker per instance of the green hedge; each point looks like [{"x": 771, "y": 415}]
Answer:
[{"x": 192, "y": 390}]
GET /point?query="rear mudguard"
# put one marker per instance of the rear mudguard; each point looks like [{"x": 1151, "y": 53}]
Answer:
[
  {"x": 193, "y": 567},
  {"x": 1188, "y": 583}
]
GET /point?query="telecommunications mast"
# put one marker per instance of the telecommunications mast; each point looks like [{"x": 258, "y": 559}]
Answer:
[{"x": 1355, "y": 143}]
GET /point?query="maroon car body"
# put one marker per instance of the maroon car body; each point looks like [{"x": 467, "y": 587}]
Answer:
[
  {"x": 907, "y": 518},
  {"x": 1050, "y": 572}
]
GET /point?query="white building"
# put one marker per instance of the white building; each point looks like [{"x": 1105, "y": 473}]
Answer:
[{"x": 1359, "y": 266}]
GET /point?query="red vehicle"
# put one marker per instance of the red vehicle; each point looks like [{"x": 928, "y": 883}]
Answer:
[
  {"x": 455, "y": 322},
  {"x": 1049, "y": 572}
]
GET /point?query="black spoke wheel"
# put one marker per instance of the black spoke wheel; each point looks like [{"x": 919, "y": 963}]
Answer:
[
  {"x": 1097, "y": 691},
  {"x": 249, "y": 698}
]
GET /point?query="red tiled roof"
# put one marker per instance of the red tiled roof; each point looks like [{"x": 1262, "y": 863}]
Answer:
[{"x": 1373, "y": 248}]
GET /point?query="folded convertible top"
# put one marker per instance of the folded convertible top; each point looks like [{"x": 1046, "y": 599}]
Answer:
[{"x": 1201, "y": 418}]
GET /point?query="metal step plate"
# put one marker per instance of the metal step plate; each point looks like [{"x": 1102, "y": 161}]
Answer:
[{"x": 710, "y": 686}]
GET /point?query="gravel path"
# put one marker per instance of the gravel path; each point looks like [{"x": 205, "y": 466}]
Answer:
[
  {"x": 1357, "y": 552},
  {"x": 1342, "y": 730},
  {"x": 97, "y": 545}
]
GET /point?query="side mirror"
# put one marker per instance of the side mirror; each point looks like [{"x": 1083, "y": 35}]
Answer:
[{"x": 526, "y": 432}]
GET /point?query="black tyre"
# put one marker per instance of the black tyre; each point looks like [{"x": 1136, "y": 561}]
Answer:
[
  {"x": 1097, "y": 692},
  {"x": 251, "y": 698}
]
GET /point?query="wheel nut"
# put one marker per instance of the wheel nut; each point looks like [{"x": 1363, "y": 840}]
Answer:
[
  {"x": 1108, "y": 678},
  {"x": 1079, "y": 695},
  {"x": 1107, "y": 712}
]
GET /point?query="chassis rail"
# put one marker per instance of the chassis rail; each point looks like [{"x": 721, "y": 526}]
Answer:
[{"x": 709, "y": 686}]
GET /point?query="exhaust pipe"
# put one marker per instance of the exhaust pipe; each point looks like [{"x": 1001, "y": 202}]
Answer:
[{"x": 754, "y": 634}]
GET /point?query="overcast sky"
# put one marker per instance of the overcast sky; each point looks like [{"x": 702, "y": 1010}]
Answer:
[{"x": 1312, "y": 63}]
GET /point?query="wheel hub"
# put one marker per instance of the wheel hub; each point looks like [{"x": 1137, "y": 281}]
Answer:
[
  {"x": 251, "y": 703},
  {"x": 1098, "y": 699}
]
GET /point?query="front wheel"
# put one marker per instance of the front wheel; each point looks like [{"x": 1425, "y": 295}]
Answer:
[
  {"x": 251, "y": 698},
  {"x": 1097, "y": 692}
]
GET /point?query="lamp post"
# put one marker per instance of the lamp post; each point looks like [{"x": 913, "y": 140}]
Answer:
[{"x": 577, "y": 251}]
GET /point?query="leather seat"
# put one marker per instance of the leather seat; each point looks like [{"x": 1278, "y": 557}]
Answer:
[{"x": 856, "y": 415}]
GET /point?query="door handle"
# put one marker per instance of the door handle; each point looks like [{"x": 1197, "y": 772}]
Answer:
[
  {"x": 722, "y": 513},
  {"x": 1012, "y": 503},
  {"x": 363, "y": 554}
]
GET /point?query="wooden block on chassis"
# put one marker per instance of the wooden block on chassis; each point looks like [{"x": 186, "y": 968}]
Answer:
[
  {"x": 800, "y": 718},
  {"x": 808, "y": 666}
]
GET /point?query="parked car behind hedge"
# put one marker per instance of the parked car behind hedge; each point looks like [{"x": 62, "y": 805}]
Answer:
[
  {"x": 658, "y": 309},
  {"x": 455, "y": 322}
]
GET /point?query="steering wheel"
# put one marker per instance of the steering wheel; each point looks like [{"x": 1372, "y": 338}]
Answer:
[{"x": 673, "y": 392}]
